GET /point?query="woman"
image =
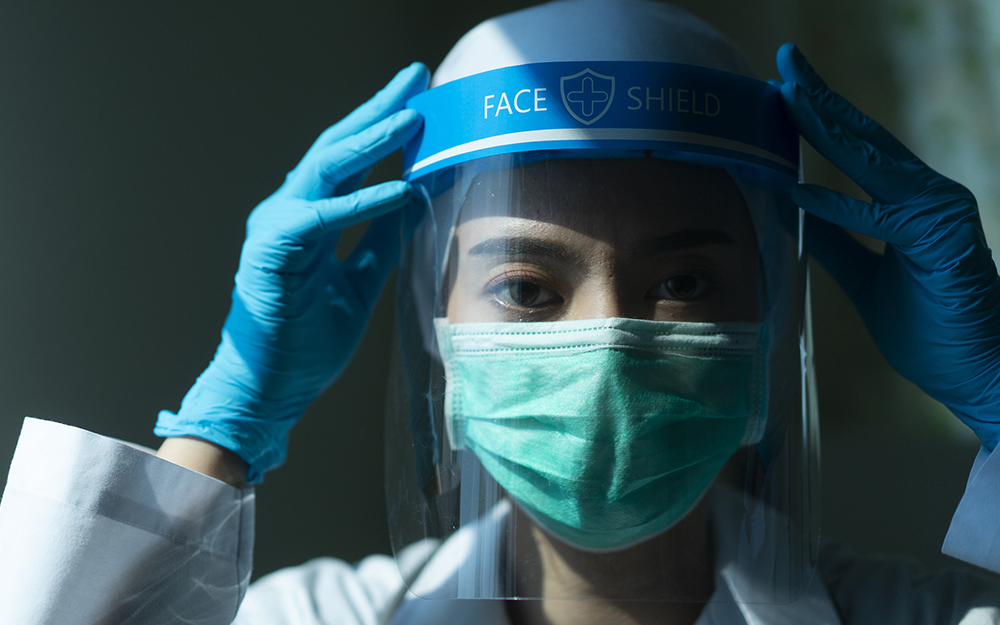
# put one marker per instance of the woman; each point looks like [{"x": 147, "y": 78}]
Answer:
[{"x": 604, "y": 403}]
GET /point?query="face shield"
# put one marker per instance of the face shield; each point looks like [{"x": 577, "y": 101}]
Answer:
[{"x": 603, "y": 371}]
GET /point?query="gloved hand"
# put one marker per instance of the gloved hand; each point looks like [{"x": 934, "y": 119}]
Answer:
[
  {"x": 298, "y": 313},
  {"x": 931, "y": 302}
]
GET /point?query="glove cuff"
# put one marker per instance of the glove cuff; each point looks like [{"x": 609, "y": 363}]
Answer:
[{"x": 257, "y": 433}]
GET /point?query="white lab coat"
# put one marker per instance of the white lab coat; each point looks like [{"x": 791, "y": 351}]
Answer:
[{"x": 93, "y": 530}]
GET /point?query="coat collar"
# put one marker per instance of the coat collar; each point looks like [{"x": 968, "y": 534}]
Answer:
[{"x": 466, "y": 565}]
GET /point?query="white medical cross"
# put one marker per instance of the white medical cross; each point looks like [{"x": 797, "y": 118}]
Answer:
[{"x": 587, "y": 97}]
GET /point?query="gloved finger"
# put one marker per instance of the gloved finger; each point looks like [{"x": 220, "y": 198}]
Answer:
[
  {"x": 407, "y": 83},
  {"x": 849, "y": 262},
  {"x": 878, "y": 173},
  {"x": 899, "y": 225},
  {"x": 793, "y": 67},
  {"x": 334, "y": 214},
  {"x": 330, "y": 167}
]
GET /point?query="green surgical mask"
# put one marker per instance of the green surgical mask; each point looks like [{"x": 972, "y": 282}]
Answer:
[{"x": 606, "y": 431}]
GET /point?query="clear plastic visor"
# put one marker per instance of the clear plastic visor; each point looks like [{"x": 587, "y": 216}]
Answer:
[{"x": 602, "y": 389}]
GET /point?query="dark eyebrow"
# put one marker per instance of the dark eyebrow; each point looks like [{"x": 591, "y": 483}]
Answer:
[
  {"x": 522, "y": 246},
  {"x": 684, "y": 240}
]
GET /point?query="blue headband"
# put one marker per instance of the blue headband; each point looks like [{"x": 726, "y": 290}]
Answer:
[{"x": 676, "y": 111}]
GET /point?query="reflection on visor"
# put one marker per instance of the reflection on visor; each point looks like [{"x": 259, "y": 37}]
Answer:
[{"x": 521, "y": 441}]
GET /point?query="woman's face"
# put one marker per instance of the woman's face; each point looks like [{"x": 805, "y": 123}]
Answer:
[{"x": 583, "y": 239}]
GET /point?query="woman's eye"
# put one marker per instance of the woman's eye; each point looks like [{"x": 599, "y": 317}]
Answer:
[
  {"x": 682, "y": 287},
  {"x": 522, "y": 293}
]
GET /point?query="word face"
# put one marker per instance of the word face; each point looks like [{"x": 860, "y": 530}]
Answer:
[{"x": 524, "y": 101}]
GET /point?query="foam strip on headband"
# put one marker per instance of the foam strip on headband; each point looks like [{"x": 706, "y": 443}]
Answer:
[{"x": 681, "y": 112}]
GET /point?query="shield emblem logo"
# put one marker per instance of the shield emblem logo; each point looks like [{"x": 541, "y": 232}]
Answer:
[{"x": 587, "y": 95}]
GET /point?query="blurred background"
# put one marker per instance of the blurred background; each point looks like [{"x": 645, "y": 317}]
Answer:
[{"x": 136, "y": 137}]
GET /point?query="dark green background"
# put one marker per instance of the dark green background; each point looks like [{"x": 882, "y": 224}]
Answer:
[{"x": 136, "y": 137}]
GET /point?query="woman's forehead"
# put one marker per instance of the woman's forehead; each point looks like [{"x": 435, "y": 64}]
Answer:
[{"x": 606, "y": 199}]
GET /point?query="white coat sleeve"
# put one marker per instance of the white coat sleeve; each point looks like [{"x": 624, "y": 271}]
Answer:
[
  {"x": 895, "y": 590},
  {"x": 93, "y": 530},
  {"x": 974, "y": 533}
]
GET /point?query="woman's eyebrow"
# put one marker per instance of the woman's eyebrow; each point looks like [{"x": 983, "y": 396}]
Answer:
[
  {"x": 683, "y": 240},
  {"x": 523, "y": 246}
]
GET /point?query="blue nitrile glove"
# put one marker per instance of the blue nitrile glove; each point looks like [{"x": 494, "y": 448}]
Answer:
[
  {"x": 932, "y": 301},
  {"x": 298, "y": 313}
]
